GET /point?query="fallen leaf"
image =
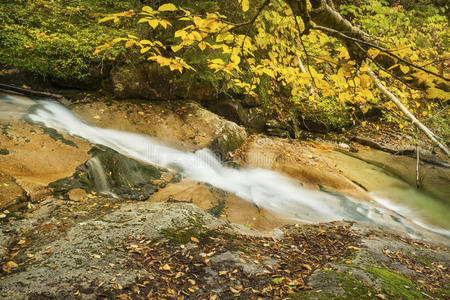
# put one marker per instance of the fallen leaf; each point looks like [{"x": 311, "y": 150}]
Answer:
[
  {"x": 166, "y": 267},
  {"x": 353, "y": 248},
  {"x": 195, "y": 240}
]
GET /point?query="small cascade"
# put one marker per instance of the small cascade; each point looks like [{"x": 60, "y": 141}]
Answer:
[{"x": 98, "y": 177}]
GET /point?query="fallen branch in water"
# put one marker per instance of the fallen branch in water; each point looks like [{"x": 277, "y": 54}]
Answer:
[{"x": 29, "y": 92}]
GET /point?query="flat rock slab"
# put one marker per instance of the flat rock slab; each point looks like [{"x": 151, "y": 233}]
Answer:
[{"x": 103, "y": 247}]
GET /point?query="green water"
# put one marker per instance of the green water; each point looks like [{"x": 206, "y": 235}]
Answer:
[{"x": 395, "y": 192}]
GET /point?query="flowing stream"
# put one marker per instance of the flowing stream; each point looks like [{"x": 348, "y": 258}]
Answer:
[{"x": 264, "y": 188}]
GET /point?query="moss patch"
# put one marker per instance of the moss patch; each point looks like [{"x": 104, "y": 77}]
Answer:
[
  {"x": 353, "y": 288},
  {"x": 4, "y": 151},
  {"x": 57, "y": 38},
  {"x": 396, "y": 285}
]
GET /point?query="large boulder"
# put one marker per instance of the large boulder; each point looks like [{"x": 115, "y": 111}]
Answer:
[
  {"x": 153, "y": 82},
  {"x": 186, "y": 126}
]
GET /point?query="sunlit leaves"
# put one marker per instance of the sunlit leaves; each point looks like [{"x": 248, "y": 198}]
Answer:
[
  {"x": 167, "y": 7},
  {"x": 245, "y": 5}
]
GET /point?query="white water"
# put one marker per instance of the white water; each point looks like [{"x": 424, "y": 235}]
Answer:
[{"x": 262, "y": 187}]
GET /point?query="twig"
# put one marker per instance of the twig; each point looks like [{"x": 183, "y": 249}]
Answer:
[
  {"x": 417, "y": 161},
  {"x": 253, "y": 19}
]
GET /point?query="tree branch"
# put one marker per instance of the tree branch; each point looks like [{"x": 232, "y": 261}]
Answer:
[
  {"x": 253, "y": 19},
  {"x": 413, "y": 119},
  {"x": 382, "y": 49}
]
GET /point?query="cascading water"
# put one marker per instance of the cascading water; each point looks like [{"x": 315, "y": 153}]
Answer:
[
  {"x": 97, "y": 173},
  {"x": 262, "y": 187}
]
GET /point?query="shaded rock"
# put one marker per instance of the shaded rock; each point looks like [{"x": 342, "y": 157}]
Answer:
[
  {"x": 314, "y": 125},
  {"x": 230, "y": 109},
  {"x": 153, "y": 82},
  {"x": 110, "y": 173},
  {"x": 11, "y": 194},
  {"x": 72, "y": 260}
]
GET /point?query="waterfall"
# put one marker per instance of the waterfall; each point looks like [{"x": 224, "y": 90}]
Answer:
[{"x": 264, "y": 188}]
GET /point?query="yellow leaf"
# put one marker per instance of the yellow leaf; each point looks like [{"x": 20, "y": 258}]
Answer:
[
  {"x": 202, "y": 46},
  {"x": 105, "y": 19},
  {"x": 373, "y": 52},
  {"x": 153, "y": 23},
  {"x": 148, "y": 9},
  {"x": 405, "y": 69},
  {"x": 424, "y": 113},
  {"x": 180, "y": 33},
  {"x": 364, "y": 80},
  {"x": 10, "y": 264},
  {"x": 245, "y": 5},
  {"x": 167, "y": 7},
  {"x": 364, "y": 123},
  {"x": 21, "y": 242},
  {"x": 176, "y": 48},
  {"x": 129, "y": 43},
  {"x": 97, "y": 51},
  {"x": 165, "y": 23},
  {"x": 143, "y": 50},
  {"x": 353, "y": 247},
  {"x": 195, "y": 240},
  {"x": 166, "y": 267}
]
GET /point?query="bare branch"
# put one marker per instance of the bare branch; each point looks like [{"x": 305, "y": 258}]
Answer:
[
  {"x": 253, "y": 19},
  {"x": 413, "y": 119},
  {"x": 382, "y": 49}
]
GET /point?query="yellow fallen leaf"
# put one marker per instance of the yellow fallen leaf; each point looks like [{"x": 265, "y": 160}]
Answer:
[
  {"x": 2, "y": 216},
  {"x": 353, "y": 248},
  {"x": 195, "y": 240},
  {"x": 166, "y": 267},
  {"x": 11, "y": 265},
  {"x": 21, "y": 242},
  {"x": 97, "y": 117}
]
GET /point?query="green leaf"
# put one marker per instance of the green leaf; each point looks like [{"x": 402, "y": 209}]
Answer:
[{"x": 277, "y": 280}]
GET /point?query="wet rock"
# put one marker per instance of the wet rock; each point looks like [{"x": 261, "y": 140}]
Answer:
[
  {"x": 39, "y": 156},
  {"x": 301, "y": 160},
  {"x": 186, "y": 126},
  {"x": 219, "y": 203},
  {"x": 111, "y": 173}
]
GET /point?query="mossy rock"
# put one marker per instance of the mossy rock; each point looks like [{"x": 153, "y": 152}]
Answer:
[{"x": 111, "y": 173}]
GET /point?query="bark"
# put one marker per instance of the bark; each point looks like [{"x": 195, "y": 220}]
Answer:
[
  {"x": 410, "y": 116},
  {"x": 334, "y": 24},
  {"x": 29, "y": 92}
]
